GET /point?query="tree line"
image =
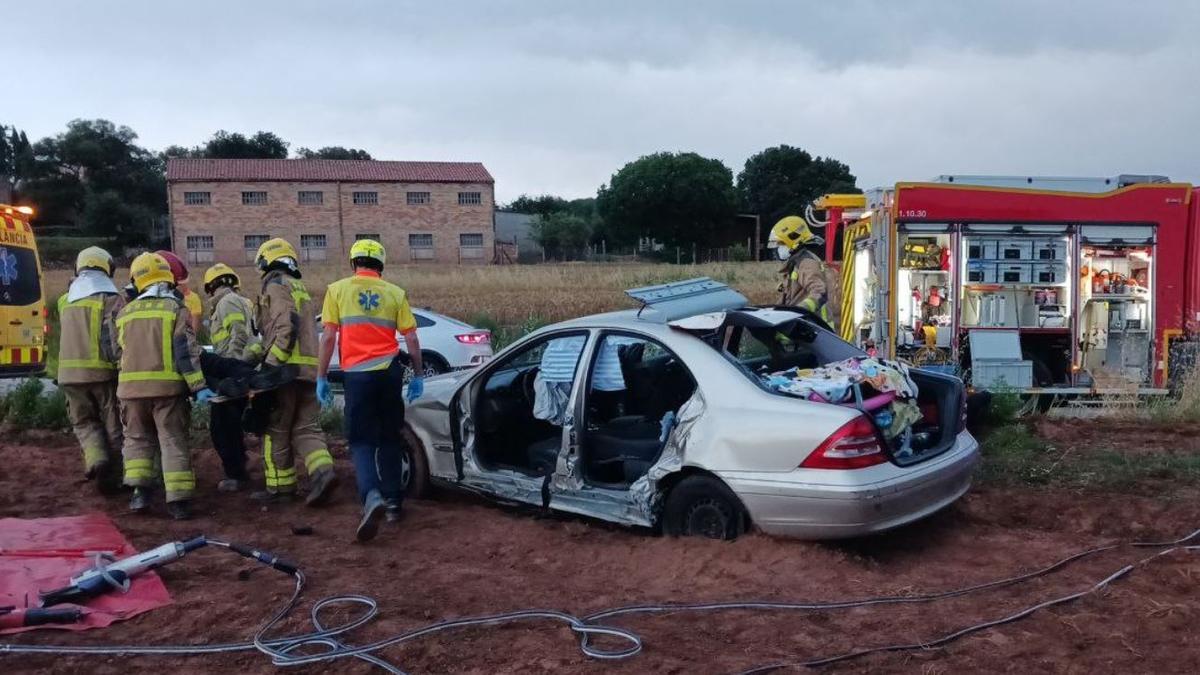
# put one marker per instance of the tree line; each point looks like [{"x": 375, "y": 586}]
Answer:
[
  {"x": 681, "y": 199},
  {"x": 95, "y": 179}
]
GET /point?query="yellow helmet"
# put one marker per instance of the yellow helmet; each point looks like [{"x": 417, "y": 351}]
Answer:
[
  {"x": 150, "y": 268},
  {"x": 94, "y": 258},
  {"x": 220, "y": 270},
  {"x": 793, "y": 232},
  {"x": 368, "y": 248},
  {"x": 274, "y": 249}
]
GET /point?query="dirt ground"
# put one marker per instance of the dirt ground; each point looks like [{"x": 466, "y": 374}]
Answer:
[{"x": 456, "y": 556}]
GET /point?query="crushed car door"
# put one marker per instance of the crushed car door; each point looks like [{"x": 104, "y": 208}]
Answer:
[{"x": 510, "y": 422}]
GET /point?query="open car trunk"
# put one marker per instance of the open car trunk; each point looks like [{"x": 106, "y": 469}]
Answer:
[{"x": 788, "y": 353}]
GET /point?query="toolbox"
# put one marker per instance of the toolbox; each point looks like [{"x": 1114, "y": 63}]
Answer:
[
  {"x": 1014, "y": 249},
  {"x": 1014, "y": 273},
  {"x": 1049, "y": 273}
]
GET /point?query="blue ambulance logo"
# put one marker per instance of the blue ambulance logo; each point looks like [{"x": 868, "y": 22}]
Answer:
[
  {"x": 8, "y": 267},
  {"x": 369, "y": 301}
]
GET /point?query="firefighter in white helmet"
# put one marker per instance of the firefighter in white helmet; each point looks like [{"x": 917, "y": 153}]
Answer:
[
  {"x": 87, "y": 365},
  {"x": 807, "y": 281},
  {"x": 160, "y": 367}
]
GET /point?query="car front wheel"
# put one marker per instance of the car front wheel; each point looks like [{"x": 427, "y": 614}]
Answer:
[
  {"x": 414, "y": 468},
  {"x": 702, "y": 506}
]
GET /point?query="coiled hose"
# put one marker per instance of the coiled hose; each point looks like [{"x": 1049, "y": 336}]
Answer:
[{"x": 287, "y": 651}]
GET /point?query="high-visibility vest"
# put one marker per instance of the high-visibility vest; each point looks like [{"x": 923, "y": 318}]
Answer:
[
  {"x": 84, "y": 352},
  {"x": 155, "y": 360},
  {"x": 368, "y": 311},
  {"x": 286, "y": 308}
]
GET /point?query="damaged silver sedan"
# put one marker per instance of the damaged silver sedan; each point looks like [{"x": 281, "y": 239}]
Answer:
[{"x": 663, "y": 417}]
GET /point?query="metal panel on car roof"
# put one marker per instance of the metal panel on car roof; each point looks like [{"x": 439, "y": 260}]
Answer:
[{"x": 669, "y": 302}]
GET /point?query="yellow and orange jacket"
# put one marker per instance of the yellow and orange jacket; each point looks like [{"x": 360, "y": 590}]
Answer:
[
  {"x": 87, "y": 349},
  {"x": 288, "y": 321},
  {"x": 159, "y": 353},
  {"x": 368, "y": 312}
]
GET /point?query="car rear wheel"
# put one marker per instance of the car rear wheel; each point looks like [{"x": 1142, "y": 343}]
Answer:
[
  {"x": 431, "y": 364},
  {"x": 414, "y": 468},
  {"x": 702, "y": 506}
]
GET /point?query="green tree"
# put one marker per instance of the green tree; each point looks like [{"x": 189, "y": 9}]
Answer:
[
  {"x": 563, "y": 235},
  {"x": 676, "y": 198},
  {"x": 227, "y": 145},
  {"x": 541, "y": 205},
  {"x": 333, "y": 152},
  {"x": 783, "y": 180}
]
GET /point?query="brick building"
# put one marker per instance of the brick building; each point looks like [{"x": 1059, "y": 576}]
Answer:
[{"x": 223, "y": 209}]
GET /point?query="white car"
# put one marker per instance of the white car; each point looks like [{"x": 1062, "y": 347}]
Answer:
[
  {"x": 446, "y": 344},
  {"x": 662, "y": 417}
]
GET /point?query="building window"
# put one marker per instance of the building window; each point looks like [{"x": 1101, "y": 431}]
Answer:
[
  {"x": 197, "y": 198},
  {"x": 469, "y": 198},
  {"x": 310, "y": 197},
  {"x": 374, "y": 236},
  {"x": 251, "y": 242},
  {"x": 366, "y": 198},
  {"x": 470, "y": 246},
  {"x": 200, "y": 248},
  {"x": 415, "y": 198},
  {"x": 254, "y": 198},
  {"x": 420, "y": 246},
  {"x": 312, "y": 246}
]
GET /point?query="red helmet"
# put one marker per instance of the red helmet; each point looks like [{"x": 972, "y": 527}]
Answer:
[{"x": 178, "y": 269}]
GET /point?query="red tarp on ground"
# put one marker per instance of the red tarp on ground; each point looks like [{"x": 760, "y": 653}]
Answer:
[{"x": 22, "y": 575}]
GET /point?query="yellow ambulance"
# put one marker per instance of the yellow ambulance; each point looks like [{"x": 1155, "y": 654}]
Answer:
[{"x": 24, "y": 324}]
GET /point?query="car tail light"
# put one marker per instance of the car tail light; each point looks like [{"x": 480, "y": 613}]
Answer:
[
  {"x": 854, "y": 446},
  {"x": 45, "y": 322},
  {"x": 477, "y": 338}
]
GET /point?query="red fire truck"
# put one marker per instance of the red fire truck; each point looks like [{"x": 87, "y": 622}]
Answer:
[{"x": 1044, "y": 285}]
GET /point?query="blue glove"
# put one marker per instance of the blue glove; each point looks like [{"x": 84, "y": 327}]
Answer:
[
  {"x": 204, "y": 394},
  {"x": 324, "y": 391},
  {"x": 416, "y": 387}
]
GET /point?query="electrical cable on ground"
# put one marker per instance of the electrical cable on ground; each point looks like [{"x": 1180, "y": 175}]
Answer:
[{"x": 284, "y": 651}]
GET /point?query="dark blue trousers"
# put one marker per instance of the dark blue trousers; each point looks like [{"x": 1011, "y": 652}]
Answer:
[{"x": 374, "y": 415}]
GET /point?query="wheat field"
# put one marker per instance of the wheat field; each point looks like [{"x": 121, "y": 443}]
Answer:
[{"x": 513, "y": 295}]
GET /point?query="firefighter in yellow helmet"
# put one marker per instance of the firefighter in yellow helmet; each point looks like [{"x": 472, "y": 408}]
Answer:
[
  {"x": 807, "y": 281},
  {"x": 362, "y": 314},
  {"x": 231, "y": 330},
  {"x": 87, "y": 365},
  {"x": 159, "y": 367},
  {"x": 287, "y": 319}
]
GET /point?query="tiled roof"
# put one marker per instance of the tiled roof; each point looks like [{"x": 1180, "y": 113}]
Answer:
[{"x": 319, "y": 170}]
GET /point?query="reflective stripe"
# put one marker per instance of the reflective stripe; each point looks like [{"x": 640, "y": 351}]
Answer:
[
  {"x": 231, "y": 317},
  {"x": 373, "y": 364},
  {"x": 276, "y": 478},
  {"x": 161, "y": 314},
  {"x": 93, "y": 456},
  {"x": 139, "y": 469},
  {"x": 278, "y": 353},
  {"x": 298, "y": 360},
  {"x": 179, "y": 481},
  {"x": 168, "y": 372},
  {"x": 194, "y": 378},
  {"x": 220, "y": 336},
  {"x": 95, "y": 309},
  {"x": 86, "y": 363},
  {"x": 317, "y": 459},
  {"x": 358, "y": 320}
]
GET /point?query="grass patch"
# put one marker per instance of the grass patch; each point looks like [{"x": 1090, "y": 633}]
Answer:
[{"x": 28, "y": 407}]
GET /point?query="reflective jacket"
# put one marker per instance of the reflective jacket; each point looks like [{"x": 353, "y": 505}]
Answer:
[
  {"x": 87, "y": 349},
  {"x": 159, "y": 353},
  {"x": 230, "y": 326},
  {"x": 368, "y": 311},
  {"x": 288, "y": 321},
  {"x": 810, "y": 284}
]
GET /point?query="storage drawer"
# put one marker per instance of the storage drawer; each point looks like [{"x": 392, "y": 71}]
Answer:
[
  {"x": 1049, "y": 249},
  {"x": 1009, "y": 273},
  {"x": 981, "y": 272},
  {"x": 1049, "y": 273},
  {"x": 1002, "y": 374},
  {"x": 981, "y": 249},
  {"x": 1014, "y": 249}
]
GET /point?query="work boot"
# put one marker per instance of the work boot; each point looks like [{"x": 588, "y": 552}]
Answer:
[
  {"x": 140, "y": 501},
  {"x": 393, "y": 512},
  {"x": 229, "y": 485},
  {"x": 321, "y": 485},
  {"x": 266, "y": 497},
  {"x": 108, "y": 479},
  {"x": 180, "y": 510},
  {"x": 373, "y": 512}
]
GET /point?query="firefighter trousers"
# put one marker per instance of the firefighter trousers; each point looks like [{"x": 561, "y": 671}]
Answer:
[
  {"x": 95, "y": 417},
  {"x": 158, "y": 427},
  {"x": 293, "y": 429}
]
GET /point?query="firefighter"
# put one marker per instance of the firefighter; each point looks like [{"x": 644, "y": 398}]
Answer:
[
  {"x": 160, "y": 366},
  {"x": 806, "y": 283},
  {"x": 287, "y": 320},
  {"x": 362, "y": 313},
  {"x": 231, "y": 330},
  {"x": 191, "y": 300},
  {"x": 87, "y": 365}
]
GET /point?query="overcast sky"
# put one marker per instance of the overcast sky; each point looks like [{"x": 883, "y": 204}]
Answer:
[{"x": 554, "y": 96}]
